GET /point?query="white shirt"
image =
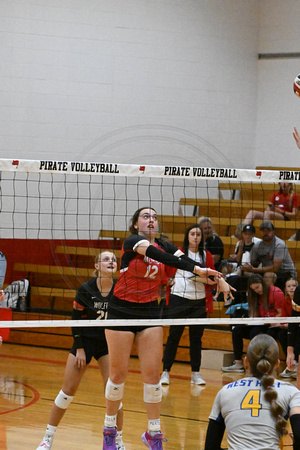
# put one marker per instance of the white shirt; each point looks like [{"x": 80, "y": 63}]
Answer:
[{"x": 186, "y": 285}]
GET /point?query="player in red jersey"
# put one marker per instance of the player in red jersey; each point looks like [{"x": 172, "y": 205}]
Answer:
[{"x": 143, "y": 271}]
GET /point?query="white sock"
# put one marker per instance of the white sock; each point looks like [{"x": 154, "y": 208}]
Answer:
[
  {"x": 153, "y": 426},
  {"x": 110, "y": 421},
  {"x": 50, "y": 429},
  {"x": 119, "y": 436}
]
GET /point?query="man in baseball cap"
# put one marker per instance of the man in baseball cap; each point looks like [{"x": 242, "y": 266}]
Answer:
[
  {"x": 266, "y": 224},
  {"x": 271, "y": 255}
]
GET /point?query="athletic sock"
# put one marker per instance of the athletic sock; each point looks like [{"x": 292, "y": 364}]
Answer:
[
  {"x": 50, "y": 429},
  {"x": 110, "y": 421},
  {"x": 153, "y": 426}
]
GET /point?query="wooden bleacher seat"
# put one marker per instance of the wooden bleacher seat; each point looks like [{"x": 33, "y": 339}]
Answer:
[
  {"x": 84, "y": 251},
  {"x": 52, "y": 299},
  {"x": 223, "y": 207},
  {"x": 248, "y": 191}
]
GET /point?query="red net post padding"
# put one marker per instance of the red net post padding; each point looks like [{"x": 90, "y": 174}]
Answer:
[{"x": 5, "y": 314}]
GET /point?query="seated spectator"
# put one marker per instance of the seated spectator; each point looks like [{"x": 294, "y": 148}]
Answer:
[
  {"x": 293, "y": 349},
  {"x": 271, "y": 255},
  {"x": 263, "y": 301},
  {"x": 238, "y": 278},
  {"x": 290, "y": 288},
  {"x": 283, "y": 205},
  {"x": 212, "y": 242},
  {"x": 279, "y": 330}
]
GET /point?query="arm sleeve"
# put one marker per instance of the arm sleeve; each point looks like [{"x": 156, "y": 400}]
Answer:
[
  {"x": 295, "y": 423},
  {"x": 291, "y": 334},
  {"x": 214, "y": 435},
  {"x": 77, "y": 331},
  {"x": 170, "y": 260}
]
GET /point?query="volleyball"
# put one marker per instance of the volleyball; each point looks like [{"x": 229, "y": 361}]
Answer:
[{"x": 296, "y": 85}]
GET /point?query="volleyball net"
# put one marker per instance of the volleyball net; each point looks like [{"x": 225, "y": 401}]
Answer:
[{"x": 57, "y": 216}]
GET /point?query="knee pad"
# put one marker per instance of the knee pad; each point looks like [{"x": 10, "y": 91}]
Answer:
[
  {"x": 63, "y": 400},
  {"x": 114, "y": 391},
  {"x": 152, "y": 393}
]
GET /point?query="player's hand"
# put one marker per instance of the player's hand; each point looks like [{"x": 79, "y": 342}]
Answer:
[
  {"x": 290, "y": 361},
  {"x": 296, "y": 137},
  {"x": 1, "y": 340},
  {"x": 80, "y": 359},
  {"x": 1, "y": 296},
  {"x": 223, "y": 286}
]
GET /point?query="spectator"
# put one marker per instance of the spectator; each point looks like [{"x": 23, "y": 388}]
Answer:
[
  {"x": 212, "y": 241},
  {"x": 271, "y": 255},
  {"x": 290, "y": 287},
  {"x": 263, "y": 301},
  {"x": 190, "y": 299},
  {"x": 293, "y": 348},
  {"x": 239, "y": 278},
  {"x": 283, "y": 206},
  {"x": 255, "y": 409},
  {"x": 279, "y": 330}
]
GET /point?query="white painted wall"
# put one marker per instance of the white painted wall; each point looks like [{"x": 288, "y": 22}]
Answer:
[
  {"x": 129, "y": 81},
  {"x": 278, "y": 109}
]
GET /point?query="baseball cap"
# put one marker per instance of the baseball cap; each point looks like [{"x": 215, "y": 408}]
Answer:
[
  {"x": 267, "y": 224},
  {"x": 249, "y": 227}
]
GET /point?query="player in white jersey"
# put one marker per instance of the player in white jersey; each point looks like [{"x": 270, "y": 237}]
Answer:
[{"x": 254, "y": 410}]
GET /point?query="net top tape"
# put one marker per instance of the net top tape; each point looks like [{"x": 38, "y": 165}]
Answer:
[
  {"x": 145, "y": 322},
  {"x": 131, "y": 170}
]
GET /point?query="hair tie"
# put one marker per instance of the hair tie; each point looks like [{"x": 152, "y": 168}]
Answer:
[{"x": 269, "y": 387}]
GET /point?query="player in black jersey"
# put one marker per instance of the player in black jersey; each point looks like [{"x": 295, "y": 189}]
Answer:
[{"x": 91, "y": 302}]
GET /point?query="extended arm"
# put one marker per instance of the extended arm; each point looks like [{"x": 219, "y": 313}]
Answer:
[
  {"x": 145, "y": 248},
  {"x": 214, "y": 435},
  {"x": 295, "y": 424}
]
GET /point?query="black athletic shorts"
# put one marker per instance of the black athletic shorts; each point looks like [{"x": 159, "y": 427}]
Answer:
[
  {"x": 93, "y": 348},
  {"x": 121, "y": 309}
]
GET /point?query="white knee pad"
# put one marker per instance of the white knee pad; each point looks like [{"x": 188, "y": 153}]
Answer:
[
  {"x": 152, "y": 393},
  {"x": 63, "y": 400},
  {"x": 114, "y": 391}
]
